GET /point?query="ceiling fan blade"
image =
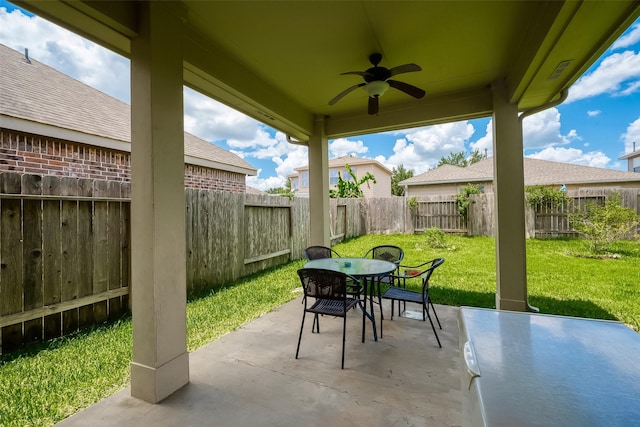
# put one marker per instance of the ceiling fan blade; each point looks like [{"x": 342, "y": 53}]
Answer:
[
  {"x": 373, "y": 105},
  {"x": 416, "y": 92},
  {"x": 357, "y": 73},
  {"x": 406, "y": 68},
  {"x": 344, "y": 92}
]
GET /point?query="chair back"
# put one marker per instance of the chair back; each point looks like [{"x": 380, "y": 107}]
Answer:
[
  {"x": 324, "y": 284},
  {"x": 389, "y": 253},
  {"x": 426, "y": 274},
  {"x": 319, "y": 252}
]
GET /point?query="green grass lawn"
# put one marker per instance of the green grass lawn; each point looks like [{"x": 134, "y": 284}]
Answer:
[{"x": 48, "y": 383}]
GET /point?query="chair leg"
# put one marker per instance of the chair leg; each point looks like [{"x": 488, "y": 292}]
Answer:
[
  {"x": 300, "y": 336},
  {"x": 434, "y": 330},
  {"x": 344, "y": 336},
  {"x": 316, "y": 324},
  {"x": 380, "y": 304},
  {"x": 434, "y": 312}
]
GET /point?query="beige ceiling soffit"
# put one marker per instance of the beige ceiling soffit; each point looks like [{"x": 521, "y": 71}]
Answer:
[
  {"x": 543, "y": 33},
  {"x": 27, "y": 126},
  {"x": 104, "y": 27},
  {"x": 197, "y": 161},
  {"x": 430, "y": 110},
  {"x": 217, "y": 75}
]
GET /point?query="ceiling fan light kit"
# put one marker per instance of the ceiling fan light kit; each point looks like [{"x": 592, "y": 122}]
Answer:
[
  {"x": 376, "y": 88},
  {"x": 376, "y": 82}
]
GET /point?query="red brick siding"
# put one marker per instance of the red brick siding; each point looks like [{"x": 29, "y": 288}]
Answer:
[{"x": 34, "y": 154}]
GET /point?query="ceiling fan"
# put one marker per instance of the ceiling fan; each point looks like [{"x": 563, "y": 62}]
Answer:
[{"x": 376, "y": 82}]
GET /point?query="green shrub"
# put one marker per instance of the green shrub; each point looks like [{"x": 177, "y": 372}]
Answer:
[
  {"x": 544, "y": 195},
  {"x": 436, "y": 238},
  {"x": 603, "y": 225},
  {"x": 463, "y": 198}
]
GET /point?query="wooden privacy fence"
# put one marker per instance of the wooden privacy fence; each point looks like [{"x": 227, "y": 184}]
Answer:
[
  {"x": 547, "y": 220},
  {"x": 439, "y": 211},
  {"x": 65, "y": 242},
  {"x": 64, "y": 251},
  {"x": 552, "y": 220}
]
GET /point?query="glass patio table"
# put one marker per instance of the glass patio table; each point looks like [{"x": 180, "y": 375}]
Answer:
[{"x": 368, "y": 270}]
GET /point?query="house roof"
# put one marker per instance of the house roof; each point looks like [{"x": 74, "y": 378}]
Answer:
[
  {"x": 630, "y": 155},
  {"x": 536, "y": 172},
  {"x": 351, "y": 161},
  {"x": 39, "y": 99}
]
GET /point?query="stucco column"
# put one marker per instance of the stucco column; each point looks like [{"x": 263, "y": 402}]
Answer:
[
  {"x": 511, "y": 265},
  {"x": 320, "y": 233},
  {"x": 160, "y": 363}
]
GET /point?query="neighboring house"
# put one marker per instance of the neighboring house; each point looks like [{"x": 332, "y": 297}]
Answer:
[
  {"x": 359, "y": 166},
  {"x": 448, "y": 179},
  {"x": 52, "y": 124},
  {"x": 633, "y": 160}
]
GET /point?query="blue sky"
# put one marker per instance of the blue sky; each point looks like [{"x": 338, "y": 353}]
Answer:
[{"x": 595, "y": 126}]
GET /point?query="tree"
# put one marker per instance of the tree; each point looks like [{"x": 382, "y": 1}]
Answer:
[
  {"x": 399, "y": 174},
  {"x": 603, "y": 225},
  {"x": 460, "y": 159},
  {"x": 283, "y": 191},
  {"x": 455, "y": 159},
  {"x": 351, "y": 188},
  {"x": 475, "y": 157}
]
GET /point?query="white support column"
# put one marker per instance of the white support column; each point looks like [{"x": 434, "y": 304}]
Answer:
[
  {"x": 511, "y": 292},
  {"x": 160, "y": 363},
  {"x": 320, "y": 233}
]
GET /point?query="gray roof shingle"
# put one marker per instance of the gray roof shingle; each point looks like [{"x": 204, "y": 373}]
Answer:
[
  {"x": 38, "y": 93},
  {"x": 536, "y": 172}
]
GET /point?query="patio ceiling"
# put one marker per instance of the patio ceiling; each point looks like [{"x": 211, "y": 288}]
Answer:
[{"x": 280, "y": 62}]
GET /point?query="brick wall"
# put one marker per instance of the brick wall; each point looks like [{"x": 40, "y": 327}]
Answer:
[{"x": 35, "y": 154}]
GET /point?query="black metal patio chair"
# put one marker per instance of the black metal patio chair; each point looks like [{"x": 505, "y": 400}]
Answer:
[
  {"x": 391, "y": 253},
  {"x": 329, "y": 290},
  {"x": 398, "y": 291},
  {"x": 319, "y": 252}
]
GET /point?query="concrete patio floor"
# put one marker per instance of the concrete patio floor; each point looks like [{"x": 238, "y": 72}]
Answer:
[{"x": 251, "y": 378}]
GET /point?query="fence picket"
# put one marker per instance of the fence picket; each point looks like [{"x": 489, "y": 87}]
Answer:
[
  {"x": 52, "y": 255},
  {"x": 11, "y": 270},
  {"x": 32, "y": 256}
]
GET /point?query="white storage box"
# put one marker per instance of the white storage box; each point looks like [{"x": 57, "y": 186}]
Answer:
[{"x": 525, "y": 369}]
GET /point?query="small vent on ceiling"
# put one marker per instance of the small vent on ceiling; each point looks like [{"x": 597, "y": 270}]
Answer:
[
  {"x": 559, "y": 69},
  {"x": 26, "y": 56}
]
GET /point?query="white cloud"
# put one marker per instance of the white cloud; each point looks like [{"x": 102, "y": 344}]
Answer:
[
  {"x": 618, "y": 74},
  {"x": 540, "y": 130},
  {"x": 632, "y": 135},
  {"x": 629, "y": 39},
  {"x": 422, "y": 148},
  {"x": 573, "y": 156},
  {"x": 631, "y": 88},
  {"x": 67, "y": 52},
  {"x": 543, "y": 130},
  {"x": 344, "y": 146},
  {"x": 265, "y": 183},
  {"x": 213, "y": 121},
  {"x": 593, "y": 113}
]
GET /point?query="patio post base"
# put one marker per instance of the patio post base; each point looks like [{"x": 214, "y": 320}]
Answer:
[{"x": 153, "y": 384}]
